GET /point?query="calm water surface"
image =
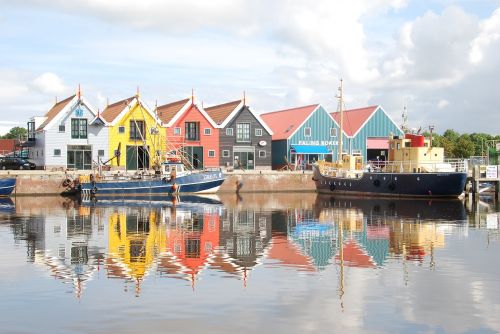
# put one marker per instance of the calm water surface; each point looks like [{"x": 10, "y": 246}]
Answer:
[{"x": 296, "y": 263}]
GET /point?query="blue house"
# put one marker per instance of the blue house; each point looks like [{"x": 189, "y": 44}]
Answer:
[
  {"x": 302, "y": 135},
  {"x": 368, "y": 130}
]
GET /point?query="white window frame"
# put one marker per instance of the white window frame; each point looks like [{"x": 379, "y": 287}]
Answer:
[
  {"x": 211, "y": 153},
  {"x": 305, "y": 131},
  {"x": 334, "y": 130},
  {"x": 121, "y": 129},
  {"x": 177, "y": 131},
  {"x": 57, "y": 149},
  {"x": 262, "y": 154},
  {"x": 258, "y": 132},
  {"x": 226, "y": 154},
  {"x": 207, "y": 131},
  {"x": 229, "y": 132}
]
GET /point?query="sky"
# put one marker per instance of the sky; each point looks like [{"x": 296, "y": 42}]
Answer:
[{"x": 438, "y": 58}]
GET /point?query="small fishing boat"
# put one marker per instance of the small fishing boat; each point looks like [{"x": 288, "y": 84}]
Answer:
[
  {"x": 7, "y": 186},
  {"x": 172, "y": 178}
]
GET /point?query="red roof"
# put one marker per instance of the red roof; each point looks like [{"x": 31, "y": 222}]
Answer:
[
  {"x": 54, "y": 111},
  {"x": 113, "y": 110},
  {"x": 354, "y": 256},
  {"x": 288, "y": 254},
  {"x": 285, "y": 122},
  {"x": 220, "y": 112},
  {"x": 168, "y": 111},
  {"x": 354, "y": 119}
]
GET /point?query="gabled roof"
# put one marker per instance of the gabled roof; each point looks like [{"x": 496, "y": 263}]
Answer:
[
  {"x": 354, "y": 119},
  {"x": 111, "y": 112},
  {"x": 187, "y": 106},
  {"x": 55, "y": 110},
  {"x": 221, "y": 112},
  {"x": 167, "y": 111},
  {"x": 116, "y": 111},
  {"x": 284, "y": 123}
]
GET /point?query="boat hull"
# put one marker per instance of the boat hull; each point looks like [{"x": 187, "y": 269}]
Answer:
[
  {"x": 7, "y": 186},
  {"x": 449, "y": 184},
  {"x": 204, "y": 182}
]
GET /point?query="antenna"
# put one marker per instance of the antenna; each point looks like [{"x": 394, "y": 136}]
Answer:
[
  {"x": 138, "y": 93},
  {"x": 340, "y": 96},
  {"x": 79, "y": 92},
  {"x": 244, "y": 98},
  {"x": 192, "y": 95},
  {"x": 404, "y": 126}
]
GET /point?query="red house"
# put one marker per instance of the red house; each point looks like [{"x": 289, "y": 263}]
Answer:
[{"x": 191, "y": 130}]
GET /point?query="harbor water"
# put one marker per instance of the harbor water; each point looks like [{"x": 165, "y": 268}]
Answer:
[{"x": 266, "y": 263}]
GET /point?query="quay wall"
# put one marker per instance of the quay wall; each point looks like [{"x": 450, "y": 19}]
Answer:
[{"x": 50, "y": 183}]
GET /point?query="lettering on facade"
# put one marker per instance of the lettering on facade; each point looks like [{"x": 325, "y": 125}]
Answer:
[{"x": 319, "y": 142}]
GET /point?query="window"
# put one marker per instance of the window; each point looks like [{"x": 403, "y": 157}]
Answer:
[
  {"x": 229, "y": 131},
  {"x": 121, "y": 129},
  {"x": 333, "y": 132},
  {"x": 258, "y": 132},
  {"x": 100, "y": 153},
  {"x": 211, "y": 153},
  {"x": 307, "y": 132},
  {"x": 207, "y": 131},
  {"x": 262, "y": 154},
  {"x": 78, "y": 128},
  {"x": 243, "y": 132},
  {"x": 137, "y": 130},
  {"x": 177, "y": 131},
  {"x": 57, "y": 152},
  {"x": 31, "y": 131},
  {"x": 192, "y": 131},
  {"x": 398, "y": 146},
  {"x": 225, "y": 153},
  {"x": 62, "y": 128}
]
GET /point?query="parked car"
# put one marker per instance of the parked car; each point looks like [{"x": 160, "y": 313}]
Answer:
[{"x": 15, "y": 163}]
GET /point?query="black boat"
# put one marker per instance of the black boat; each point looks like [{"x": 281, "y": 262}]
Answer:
[{"x": 414, "y": 168}]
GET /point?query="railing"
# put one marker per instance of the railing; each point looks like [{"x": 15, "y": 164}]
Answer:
[{"x": 451, "y": 165}]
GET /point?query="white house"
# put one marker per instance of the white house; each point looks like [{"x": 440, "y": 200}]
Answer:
[{"x": 70, "y": 135}]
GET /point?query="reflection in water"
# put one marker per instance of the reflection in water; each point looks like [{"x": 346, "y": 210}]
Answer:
[{"x": 182, "y": 237}]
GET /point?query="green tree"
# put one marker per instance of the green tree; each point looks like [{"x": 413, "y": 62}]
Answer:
[
  {"x": 463, "y": 147},
  {"x": 16, "y": 132}
]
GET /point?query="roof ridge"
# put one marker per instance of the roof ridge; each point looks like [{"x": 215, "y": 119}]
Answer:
[
  {"x": 173, "y": 103},
  {"x": 273, "y": 112},
  {"x": 118, "y": 102},
  {"x": 223, "y": 104}
]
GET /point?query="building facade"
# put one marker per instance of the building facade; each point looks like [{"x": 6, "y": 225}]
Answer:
[
  {"x": 70, "y": 135},
  {"x": 368, "y": 130},
  {"x": 302, "y": 135},
  {"x": 136, "y": 138},
  {"x": 244, "y": 138},
  {"x": 190, "y": 129}
]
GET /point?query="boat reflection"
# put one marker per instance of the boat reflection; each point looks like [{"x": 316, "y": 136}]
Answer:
[{"x": 187, "y": 237}]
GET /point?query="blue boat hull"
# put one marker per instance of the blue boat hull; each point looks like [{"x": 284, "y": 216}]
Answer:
[
  {"x": 7, "y": 186},
  {"x": 450, "y": 184},
  {"x": 203, "y": 182}
]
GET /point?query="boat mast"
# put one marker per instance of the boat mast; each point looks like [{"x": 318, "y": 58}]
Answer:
[{"x": 341, "y": 106}]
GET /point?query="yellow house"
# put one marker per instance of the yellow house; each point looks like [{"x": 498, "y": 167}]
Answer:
[
  {"x": 134, "y": 242},
  {"x": 136, "y": 137}
]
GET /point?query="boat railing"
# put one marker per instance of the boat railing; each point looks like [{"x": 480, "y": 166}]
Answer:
[{"x": 450, "y": 165}]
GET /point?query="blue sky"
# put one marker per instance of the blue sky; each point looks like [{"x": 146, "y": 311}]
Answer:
[{"x": 439, "y": 58}]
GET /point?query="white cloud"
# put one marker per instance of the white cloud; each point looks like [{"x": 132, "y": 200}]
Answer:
[
  {"x": 442, "y": 104},
  {"x": 50, "y": 83},
  {"x": 490, "y": 34}
]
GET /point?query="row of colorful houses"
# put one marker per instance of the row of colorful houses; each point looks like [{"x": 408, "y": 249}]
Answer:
[{"x": 130, "y": 135}]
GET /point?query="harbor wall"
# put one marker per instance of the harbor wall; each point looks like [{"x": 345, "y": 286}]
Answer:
[{"x": 50, "y": 183}]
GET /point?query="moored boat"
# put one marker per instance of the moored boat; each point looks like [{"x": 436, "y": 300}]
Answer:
[
  {"x": 7, "y": 186},
  {"x": 172, "y": 178},
  {"x": 414, "y": 168}
]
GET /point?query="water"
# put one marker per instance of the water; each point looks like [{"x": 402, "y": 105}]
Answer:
[{"x": 296, "y": 263}]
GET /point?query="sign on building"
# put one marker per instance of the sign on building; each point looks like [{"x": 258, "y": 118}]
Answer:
[{"x": 491, "y": 172}]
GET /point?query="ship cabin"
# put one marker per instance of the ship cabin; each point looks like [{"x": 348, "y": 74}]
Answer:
[
  {"x": 414, "y": 153},
  {"x": 173, "y": 169},
  {"x": 352, "y": 162}
]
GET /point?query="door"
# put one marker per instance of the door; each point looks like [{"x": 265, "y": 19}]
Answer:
[
  {"x": 137, "y": 157},
  {"x": 131, "y": 158},
  {"x": 195, "y": 156},
  {"x": 244, "y": 158}
]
